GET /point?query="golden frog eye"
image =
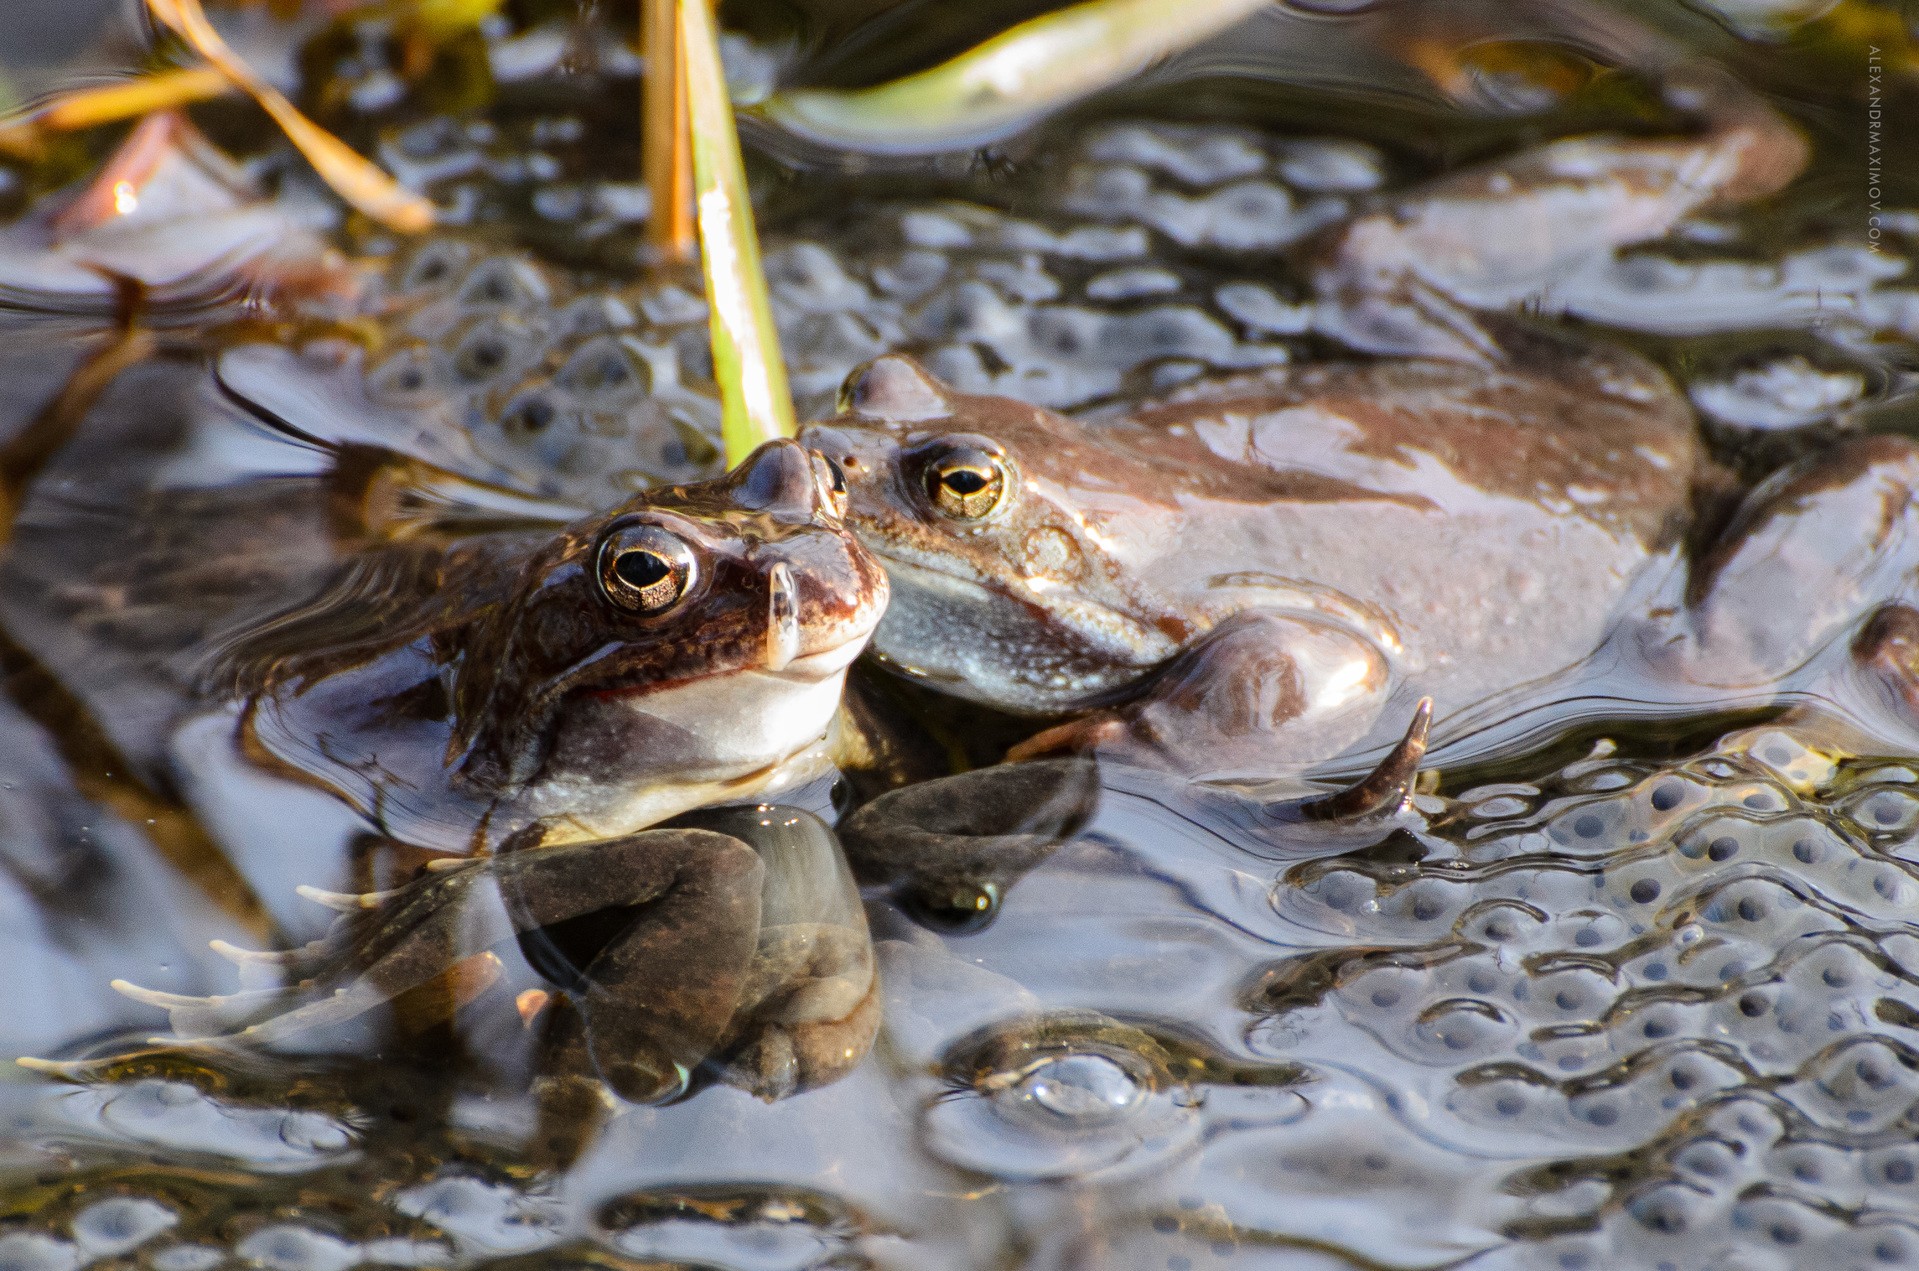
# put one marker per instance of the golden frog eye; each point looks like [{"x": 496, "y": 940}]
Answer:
[
  {"x": 832, "y": 479},
  {"x": 966, "y": 483},
  {"x": 645, "y": 570}
]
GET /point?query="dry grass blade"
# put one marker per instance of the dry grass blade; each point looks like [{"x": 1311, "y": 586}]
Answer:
[
  {"x": 360, "y": 183},
  {"x": 666, "y": 160},
  {"x": 111, "y": 103},
  {"x": 756, "y": 404}
]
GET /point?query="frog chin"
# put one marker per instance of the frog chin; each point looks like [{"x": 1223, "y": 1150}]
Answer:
[
  {"x": 975, "y": 641},
  {"x": 623, "y": 761}
]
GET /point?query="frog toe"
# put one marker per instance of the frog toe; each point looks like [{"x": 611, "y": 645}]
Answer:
[
  {"x": 1887, "y": 651},
  {"x": 1387, "y": 790}
]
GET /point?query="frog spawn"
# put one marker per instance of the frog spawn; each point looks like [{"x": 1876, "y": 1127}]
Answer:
[
  {"x": 1618, "y": 1016},
  {"x": 1704, "y": 976}
]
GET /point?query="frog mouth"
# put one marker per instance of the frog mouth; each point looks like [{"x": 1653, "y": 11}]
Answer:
[{"x": 821, "y": 663}]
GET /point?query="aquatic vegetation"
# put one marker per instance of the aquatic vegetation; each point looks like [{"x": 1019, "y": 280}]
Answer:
[{"x": 1006, "y": 83}]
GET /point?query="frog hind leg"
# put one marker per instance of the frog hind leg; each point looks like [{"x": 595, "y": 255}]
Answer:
[
  {"x": 1826, "y": 545},
  {"x": 1407, "y": 279},
  {"x": 681, "y": 907},
  {"x": 1262, "y": 692}
]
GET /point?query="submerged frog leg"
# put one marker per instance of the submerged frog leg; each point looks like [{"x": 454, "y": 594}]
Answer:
[
  {"x": 651, "y": 990},
  {"x": 1260, "y": 692},
  {"x": 808, "y": 1011},
  {"x": 679, "y": 910},
  {"x": 1815, "y": 549},
  {"x": 1404, "y": 280}
]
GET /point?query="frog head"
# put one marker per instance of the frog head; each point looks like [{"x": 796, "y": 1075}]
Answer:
[
  {"x": 988, "y": 513},
  {"x": 682, "y": 646}
]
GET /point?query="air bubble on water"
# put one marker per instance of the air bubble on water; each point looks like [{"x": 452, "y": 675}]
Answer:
[{"x": 1080, "y": 1090}]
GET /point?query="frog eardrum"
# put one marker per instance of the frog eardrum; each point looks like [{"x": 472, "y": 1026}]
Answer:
[{"x": 645, "y": 570}]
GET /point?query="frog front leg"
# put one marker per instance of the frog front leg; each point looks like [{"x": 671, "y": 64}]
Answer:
[
  {"x": 1259, "y": 693},
  {"x": 1828, "y": 544}
]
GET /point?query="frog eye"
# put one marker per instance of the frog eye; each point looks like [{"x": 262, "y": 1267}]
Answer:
[
  {"x": 645, "y": 570},
  {"x": 832, "y": 479},
  {"x": 966, "y": 482}
]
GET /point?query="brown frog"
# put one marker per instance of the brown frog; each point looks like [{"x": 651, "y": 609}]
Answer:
[
  {"x": 1260, "y": 572},
  {"x": 516, "y": 706}
]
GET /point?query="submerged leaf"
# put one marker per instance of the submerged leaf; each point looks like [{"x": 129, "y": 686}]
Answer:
[
  {"x": 990, "y": 91},
  {"x": 756, "y": 404}
]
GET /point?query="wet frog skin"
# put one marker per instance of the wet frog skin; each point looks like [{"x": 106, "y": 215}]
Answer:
[
  {"x": 535, "y": 699},
  {"x": 1255, "y": 573},
  {"x": 685, "y": 647}
]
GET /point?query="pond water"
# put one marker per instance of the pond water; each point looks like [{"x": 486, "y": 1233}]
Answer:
[{"x": 1632, "y": 980}]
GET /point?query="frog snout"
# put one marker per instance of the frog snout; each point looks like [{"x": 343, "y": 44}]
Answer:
[
  {"x": 861, "y": 455},
  {"x": 779, "y": 478}
]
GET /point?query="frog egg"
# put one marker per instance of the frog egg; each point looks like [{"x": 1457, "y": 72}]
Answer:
[
  {"x": 1068, "y": 1109},
  {"x": 408, "y": 376},
  {"x": 1821, "y": 1166},
  {"x": 187, "y": 1257},
  {"x": 1019, "y": 281},
  {"x": 772, "y": 1227},
  {"x": 606, "y": 373},
  {"x": 505, "y": 282},
  {"x": 490, "y": 350},
  {"x": 1861, "y": 1085},
  {"x": 481, "y": 1214},
  {"x": 1193, "y": 155},
  {"x": 434, "y": 266},
  {"x": 1503, "y": 924},
  {"x": 809, "y": 278},
  {"x": 1670, "y": 1209},
  {"x": 1885, "y": 816},
  {"x": 1325, "y": 166},
  {"x": 1879, "y": 1240},
  {"x": 910, "y": 274},
  {"x": 30, "y": 1251},
  {"x": 180, "y": 1116},
  {"x": 1893, "y": 1169},
  {"x": 1460, "y": 1029},
  {"x": 1782, "y": 1222},
  {"x": 109, "y": 1228}
]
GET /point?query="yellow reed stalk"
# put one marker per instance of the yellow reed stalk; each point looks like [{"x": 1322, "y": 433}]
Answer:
[
  {"x": 355, "y": 179},
  {"x": 755, "y": 403},
  {"x": 666, "y": 155}
]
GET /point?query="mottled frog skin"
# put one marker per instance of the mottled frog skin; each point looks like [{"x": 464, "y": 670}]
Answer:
[
  {"x": 480, "y": 683},
  {"x": 1265, "y": 570},
  {"x": 686, "y": 647}
]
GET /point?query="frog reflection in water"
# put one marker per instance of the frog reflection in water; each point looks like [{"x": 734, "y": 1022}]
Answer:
[
  {"x": 539, "y": 699},
  {"x": 1257, "y": 573}
]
